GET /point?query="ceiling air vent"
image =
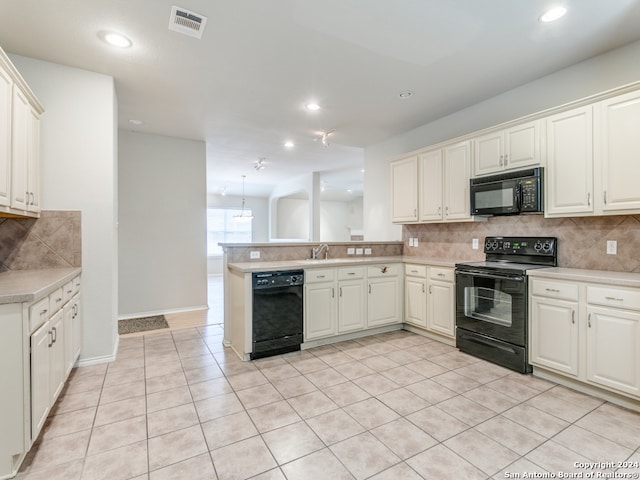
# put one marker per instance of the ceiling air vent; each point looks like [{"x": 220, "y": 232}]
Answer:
[{"x": 187, "y": 22}]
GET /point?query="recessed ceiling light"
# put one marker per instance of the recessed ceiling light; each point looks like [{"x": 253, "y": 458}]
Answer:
[
  {"x": 312, "y": 106},
  {"x": 405, "y": 95},
  {"x": 289, "y": 144},
  {"x": 116, "y": 39},
  {"x": 552, "y": 14}
]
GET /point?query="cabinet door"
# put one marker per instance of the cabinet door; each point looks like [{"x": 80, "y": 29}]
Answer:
[
  {"x": 620, "y": 152},
  {"x": 457, "y": 173},
  {"x": 489, "y": 156},
  {"x": 77, "y": 330},
  {"x": 554, "y": 334},
  {"x": 415, "y": 309},
  {"x": 351, "y": 306},
  {"x": 384, "y": 305},
  {"x": 19, "y": 196},
  {"x": 613, "y": 349},
  {"x": 57, "y": 370},
  {"x": 320, "y": 310},
  {"x": 33, "y": 161},
  {"x": 404, "y": 190},
  {"x": 569, "y": 173},
  {"x": 441, "y": 317},
  {"x": 5, "y": 137},
  {"x": 41, "y": 342},
  {"x": 431, "y": 182},
  {"x": 522, "y": 145}
]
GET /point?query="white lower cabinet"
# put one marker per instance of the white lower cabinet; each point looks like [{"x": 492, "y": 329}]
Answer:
[
  {"x": 430, "y": 299},
  {"x": 613, "y": 344},
  {"x": 345, "y": 300},
  {"x": 33, "y": 368},
  {"x": 588, "y": 332},
  {"x": 352, "y": 299},
  {"x": 441, "y": 302},
  {"x": 320, "y": 307},
  {"x": 415, "y": 295},
  {"x": 384, "y": 303}
]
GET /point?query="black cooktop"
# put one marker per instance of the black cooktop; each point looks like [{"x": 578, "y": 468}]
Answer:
[{"x": 515, "y": 255}]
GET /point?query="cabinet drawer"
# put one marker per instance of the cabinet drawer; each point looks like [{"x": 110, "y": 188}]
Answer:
[
  {"x": 442, "y": 274},
  {"x": 315, "y": 275},
  {"x": 56, "y": 300},
  {"x": 350, "y": 273},
  {"x": 416, "y": 270},
  {"x": 614, "y": 297},
  {"x": 38, "y": 313},
  {"x": 554, "y": 289},
  {"x": 392, "y": 270},
  {"x": 68, "y": 291}
]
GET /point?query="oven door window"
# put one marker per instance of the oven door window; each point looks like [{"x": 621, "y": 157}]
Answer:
[
  {"x": 492, "y": 306},
  {"x": 488, "y": 305}
]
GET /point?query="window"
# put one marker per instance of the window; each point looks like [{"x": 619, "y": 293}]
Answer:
[{"x": 222, "y": 227}]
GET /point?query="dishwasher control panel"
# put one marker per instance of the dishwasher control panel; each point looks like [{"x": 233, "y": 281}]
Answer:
[{"x": 287, "y": 278}]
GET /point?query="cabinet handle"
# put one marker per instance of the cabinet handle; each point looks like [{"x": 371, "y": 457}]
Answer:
[
  {"x": 446, "y": 211},
  {"x": 50, "y": 339},
  {"x": 605, "y": 197},
  {"x": 340, "y": 291},
  {"x": 506, "y": 160},
  {"x": 440, "y": 210},
  {"x": 415, "y": 212},
  {"x": 589, "y": 321},
  {"x": 573, "y": 316},
  {"x": 441, "y": 274},
  {"x": 351, "y": 273},
  {"x": 589, "y": 199},
  {"x": 554, "y": 290},
  {"x": 430, "y": 292},
  {"x": 369, "y": 288},
  {"x": 500, "y": 161},
  {"x": 423, "y": 288},
  {"x": 615, "y": 299},
  {"x": 33, "y": 199},
  {"x": 55, "y": 334},
  {"x": 333, "y": 292},
  {"x": 320, "y": 276}
]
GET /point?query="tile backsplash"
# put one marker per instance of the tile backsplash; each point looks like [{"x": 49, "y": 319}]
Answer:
[
  {"x": 277, "y": 252},
  {"x": 51, "y": 241},
  {"x": 582, "y": 241}
]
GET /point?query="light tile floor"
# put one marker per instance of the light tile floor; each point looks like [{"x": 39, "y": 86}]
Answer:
[{"x": 177, "y": 405}]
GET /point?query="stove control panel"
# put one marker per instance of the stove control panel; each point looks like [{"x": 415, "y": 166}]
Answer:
[{"x": 544, "y": 246}]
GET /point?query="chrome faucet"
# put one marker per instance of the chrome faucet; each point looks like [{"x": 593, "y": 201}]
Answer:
[{"x": 315, "y": 251}]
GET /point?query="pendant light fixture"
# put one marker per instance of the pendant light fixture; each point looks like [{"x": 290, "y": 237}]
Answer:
[{"x": 242, "y": 215}]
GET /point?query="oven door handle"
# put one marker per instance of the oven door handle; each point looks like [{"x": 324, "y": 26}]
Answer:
[{"x": 479, "y": 273}]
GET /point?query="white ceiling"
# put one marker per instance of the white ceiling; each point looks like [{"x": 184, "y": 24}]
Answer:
[{"x": 242, "y": 88}]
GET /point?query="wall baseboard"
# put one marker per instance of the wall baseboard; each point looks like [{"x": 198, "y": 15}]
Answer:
[
  {"x": 87, "y": 362},
  {"x": 195, "y": 308}
]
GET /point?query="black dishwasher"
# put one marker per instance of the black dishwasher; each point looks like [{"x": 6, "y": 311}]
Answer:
[{"x": 277, "y": 312}]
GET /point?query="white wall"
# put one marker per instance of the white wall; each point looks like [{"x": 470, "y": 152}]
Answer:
[
  {"x": 607, "y": 71},
  {"x": 162, "y": 232},
  {"x": 292, "y": 219},
  {"x": 260, "y": 224},
  {"x": 337, "y": 219},
  {"x": 79, "y": 172}
]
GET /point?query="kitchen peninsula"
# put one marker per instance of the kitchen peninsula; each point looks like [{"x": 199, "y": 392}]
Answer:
[{"x": 358, "y": 290}]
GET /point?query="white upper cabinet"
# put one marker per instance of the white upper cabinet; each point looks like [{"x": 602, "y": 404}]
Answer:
[
  {"x": 431, "y": 185},
  {"x": 618, "y": 152},
  {"x": 457, "y": 173},
  {"x": 19, "y": 144},
  {"x": 569, "y": 172},
  {"x": 441, "y": 180},
  {"x": 6, "y": 87},
  {"x": 512, "y": 148},
  {"x": 404, "y": 190}
]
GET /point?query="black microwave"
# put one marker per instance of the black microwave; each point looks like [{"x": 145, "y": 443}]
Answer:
[{"x": 508, "y": 193}]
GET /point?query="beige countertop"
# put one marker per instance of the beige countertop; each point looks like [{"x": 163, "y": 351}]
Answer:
[
  {"x": 269, "y": 266},
  {"x": 17, "y": 286},
  {"x": 620, "y": 279}
]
